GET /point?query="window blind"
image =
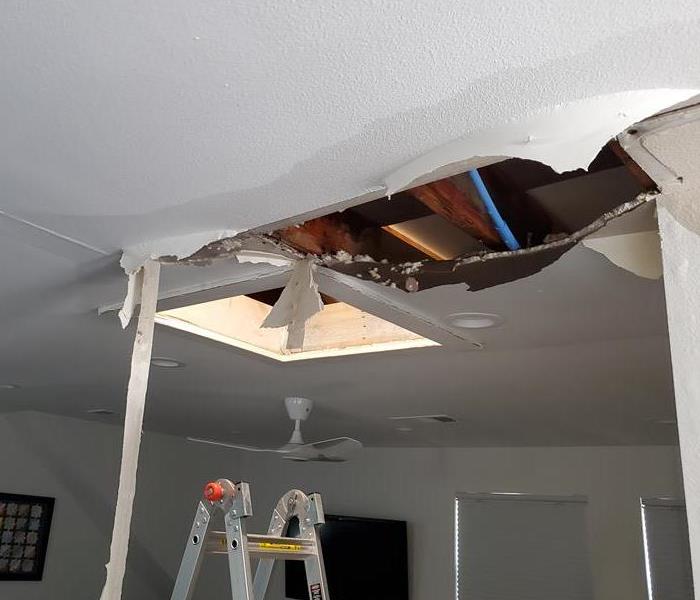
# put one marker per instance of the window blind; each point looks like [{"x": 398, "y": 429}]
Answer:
[
  {"x": 521, "y": 547},
  {"x": 667, "y": 550}
]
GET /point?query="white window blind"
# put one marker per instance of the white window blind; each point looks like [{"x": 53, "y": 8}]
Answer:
[
  {"x": 521, "y": 547},
  {"x": 667, "y": 550}
]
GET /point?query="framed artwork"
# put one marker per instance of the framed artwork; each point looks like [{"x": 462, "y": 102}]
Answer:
[{"x": 25, "y": 522}]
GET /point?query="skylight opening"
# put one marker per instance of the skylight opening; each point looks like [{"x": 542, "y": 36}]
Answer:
[{"x": 338, "y": 330}]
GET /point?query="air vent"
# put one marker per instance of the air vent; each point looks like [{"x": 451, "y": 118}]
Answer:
[{"x": 426, "y": 418}]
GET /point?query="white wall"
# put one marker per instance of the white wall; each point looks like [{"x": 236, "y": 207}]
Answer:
[{"x": 77, "y": 462}]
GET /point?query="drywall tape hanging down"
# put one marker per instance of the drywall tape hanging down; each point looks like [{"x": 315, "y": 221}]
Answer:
[{"x": 146, "y": 281}]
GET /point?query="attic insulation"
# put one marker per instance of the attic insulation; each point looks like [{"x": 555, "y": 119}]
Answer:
[{"x": 444, "y": 232}]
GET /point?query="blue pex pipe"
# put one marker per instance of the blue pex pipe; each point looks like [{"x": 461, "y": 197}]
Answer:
[{"x": 498, "y": 222}]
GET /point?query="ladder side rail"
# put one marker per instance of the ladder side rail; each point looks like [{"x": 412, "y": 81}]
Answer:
[
  {"x": 315, "y": 568},
  {"x": 239, "y": 559},
  {"x": 279, "y": 524},
  {"x": 192, "y": 557},
  {"x": 240, "y": 507},
  {"x": 294, "y": 503},
  {"x": 316, "y": 578}
]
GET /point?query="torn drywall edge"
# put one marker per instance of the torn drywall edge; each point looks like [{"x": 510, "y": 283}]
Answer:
[
  {"x": 474, "y": 269},
  {"x": 184, "y": 247},
  {"x": 639, "y": 252},
  {"x": 567, "y": 137},
  {"x": 133, "y": 297},
  {"x": 269, "y": 258},
  {"x": 260, "y": 273},
  {"x": 371, "y": 193},
  {"x": 181, "y": 246}
]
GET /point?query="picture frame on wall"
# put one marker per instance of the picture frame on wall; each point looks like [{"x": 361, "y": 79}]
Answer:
[{"x": 25, "y": 523}]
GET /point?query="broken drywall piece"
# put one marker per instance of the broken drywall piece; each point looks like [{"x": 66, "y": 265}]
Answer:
[
  {"x": 234, "y": 250},
  {"x": 133, "y": 297},
  {"x": 133, "y": 424},
  {"x": 566, "y": 137},
  {"x": 639, "y": 252},
  {"x": 258, "y": 257},
  {"x": 134, "y": 257},
  {"x": 300, "y": 300}
]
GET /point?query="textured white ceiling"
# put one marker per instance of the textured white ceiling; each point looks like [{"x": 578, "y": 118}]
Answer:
[
  {"x": 127, "y": 121},
  {"x": 124, "y": 122}
]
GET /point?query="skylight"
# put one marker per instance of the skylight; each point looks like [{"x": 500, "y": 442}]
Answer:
[{"x": 339, "y": 329}]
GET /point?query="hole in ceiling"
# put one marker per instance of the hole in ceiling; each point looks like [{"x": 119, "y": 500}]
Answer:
[
  {"x": 338, "y": 329},
  {"x": 518, "y": 214},
  {"x": 503, "y": 222}
]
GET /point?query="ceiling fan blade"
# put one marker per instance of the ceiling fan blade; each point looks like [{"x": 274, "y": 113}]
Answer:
[
  {"x": 234, "y": 446},
  {"x": 333, "y": 450}
]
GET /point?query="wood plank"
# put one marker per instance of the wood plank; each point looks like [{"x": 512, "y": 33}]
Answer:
[
  {"x": 322, "y": 235},
  {"x": 447, "y": 200},
  {"x": 647, "y": 183},
  {"x": 350, "y": 233}
]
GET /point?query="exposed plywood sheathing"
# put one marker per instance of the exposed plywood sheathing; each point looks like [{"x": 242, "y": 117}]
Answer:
[{"x": 336, "y": 330}]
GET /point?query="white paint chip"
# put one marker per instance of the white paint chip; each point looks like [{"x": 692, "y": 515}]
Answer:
[{"x": 133, "y": 424}]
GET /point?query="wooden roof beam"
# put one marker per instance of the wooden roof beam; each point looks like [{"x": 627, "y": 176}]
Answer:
[
  {"x": 447, "y": 200},
  {"x": 320, "y": 236}
]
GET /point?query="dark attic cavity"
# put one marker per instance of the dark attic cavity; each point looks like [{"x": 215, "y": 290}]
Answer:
[
  {"x": 482, "y": 228},
  {"x": 524, "y": 217}
]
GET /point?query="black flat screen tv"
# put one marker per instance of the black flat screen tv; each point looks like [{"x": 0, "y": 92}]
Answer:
[{"x": 365, "y": 559}]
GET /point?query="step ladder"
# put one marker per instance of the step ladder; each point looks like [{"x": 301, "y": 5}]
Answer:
[{"x": 233, "y": 500}]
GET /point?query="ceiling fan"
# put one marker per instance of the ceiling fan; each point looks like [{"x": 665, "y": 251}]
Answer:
[{"x": 334, "y": 450}]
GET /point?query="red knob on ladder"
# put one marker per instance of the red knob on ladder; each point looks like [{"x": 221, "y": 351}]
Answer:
[{"x": 213, "y": 491}]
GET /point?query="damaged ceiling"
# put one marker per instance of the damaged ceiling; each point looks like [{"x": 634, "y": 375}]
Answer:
[
  {"x": 129, "y": 125},
  {"x": 483, "y": 228}
]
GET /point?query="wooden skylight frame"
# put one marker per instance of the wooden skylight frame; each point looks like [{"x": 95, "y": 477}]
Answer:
[{"x": 338, "y": 330}]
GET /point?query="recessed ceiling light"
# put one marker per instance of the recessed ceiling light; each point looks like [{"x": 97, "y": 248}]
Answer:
[
  {"x": 100, "y": 411},
  {"x": 166, "y": 363},
  {"x": 474, "y": 320},
  {"x": 9, "y": 386}
]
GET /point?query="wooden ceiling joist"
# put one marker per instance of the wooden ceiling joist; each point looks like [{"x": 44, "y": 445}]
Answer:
[
  {"x": 349, "y": 233},
  {"x": 322, "y": 235},
  {"x": 447, "y": 200}
]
